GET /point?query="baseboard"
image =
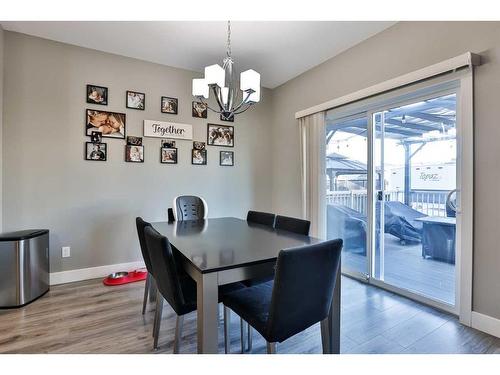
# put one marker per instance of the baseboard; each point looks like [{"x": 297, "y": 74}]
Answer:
[
  {"x": 486, "y": 323},
  {"x": 91, "y": 273}
]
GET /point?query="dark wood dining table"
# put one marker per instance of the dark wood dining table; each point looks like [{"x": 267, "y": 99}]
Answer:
[{"x": 225, "y": 250}]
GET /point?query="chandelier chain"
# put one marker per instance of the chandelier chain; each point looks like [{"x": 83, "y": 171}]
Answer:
[{"x": 228, "y": 39}]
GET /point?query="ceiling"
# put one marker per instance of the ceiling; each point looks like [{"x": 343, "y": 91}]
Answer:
[{"x": 279, "y": 51}]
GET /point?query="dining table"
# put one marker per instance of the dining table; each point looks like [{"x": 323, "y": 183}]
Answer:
[{"x": 219, "y": 251}]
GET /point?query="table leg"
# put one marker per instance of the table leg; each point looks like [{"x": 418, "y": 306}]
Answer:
[
  {"x": 330, "y": 327},
  {"x": 208, "y": 313}
]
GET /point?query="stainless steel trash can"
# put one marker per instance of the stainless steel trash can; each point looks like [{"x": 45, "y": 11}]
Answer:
[{"x": 24, "y": 266}]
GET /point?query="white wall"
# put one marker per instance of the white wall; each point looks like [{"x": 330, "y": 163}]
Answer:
[
  {"x": 403, "y": 48},
  {"x": 91, "y": 206}
]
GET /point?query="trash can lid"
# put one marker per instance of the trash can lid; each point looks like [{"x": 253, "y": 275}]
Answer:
[{"x": 22, "y": 234}]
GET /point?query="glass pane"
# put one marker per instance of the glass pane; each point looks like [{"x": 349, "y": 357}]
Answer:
[
  {"x": 415, "y": 157},
  {"x": 346, "y": 193}
]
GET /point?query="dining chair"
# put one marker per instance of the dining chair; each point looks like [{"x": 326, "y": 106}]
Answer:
[
  {"x": 263, "y": 218},
  {"x": 300, "y": 296},
  {"x": 267, "y": 219},
  {"x": 189, "y": 207},
  {"x": 170, "y": 215},
  {"x": 292, "y": 224},
  {"x": 177, "y": 288},
  {"x": 150, "y": 281}
]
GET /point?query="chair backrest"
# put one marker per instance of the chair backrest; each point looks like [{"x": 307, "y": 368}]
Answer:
[
  {"x": 303, "y": 288},
  {"x": 141, "y": 225},
  {"x": 170, "y": 215},
  {"x": 189, "y": 207},
  {"x": 164, "y": 268},
  {"x": 292, "y": 224},
  {"x": 263, "y": 218}
]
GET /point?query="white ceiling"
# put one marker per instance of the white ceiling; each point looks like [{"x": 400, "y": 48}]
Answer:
[{"x": 279, "y": 51}]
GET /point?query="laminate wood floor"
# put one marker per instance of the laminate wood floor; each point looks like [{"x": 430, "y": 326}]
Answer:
[{"x": 88, "y": 317}]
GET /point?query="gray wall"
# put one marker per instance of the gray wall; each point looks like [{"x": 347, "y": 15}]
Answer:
[
  {"x": 1, "y": 119},
  {"x": 91, "y": 206},
  {"x": 405, "y": 47}
]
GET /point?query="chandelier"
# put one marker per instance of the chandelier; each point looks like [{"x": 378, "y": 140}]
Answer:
[{"x": 224, "y": 88}]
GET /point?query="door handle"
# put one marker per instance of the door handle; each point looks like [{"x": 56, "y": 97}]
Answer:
[{"x": 380, "y": 195}]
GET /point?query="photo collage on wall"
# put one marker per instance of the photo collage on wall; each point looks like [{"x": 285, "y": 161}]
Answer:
[{"x": 102, "y": 124}]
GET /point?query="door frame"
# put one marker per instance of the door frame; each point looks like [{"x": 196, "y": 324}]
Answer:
[{"x": 460, "y": 82}]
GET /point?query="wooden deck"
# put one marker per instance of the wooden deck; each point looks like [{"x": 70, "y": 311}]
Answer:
[
  {"x": 88, "y": 317},
  {"x": 405, "y": 268}
]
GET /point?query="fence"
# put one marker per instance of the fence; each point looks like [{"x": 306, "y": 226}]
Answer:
[{"x": 431, "y": 203}]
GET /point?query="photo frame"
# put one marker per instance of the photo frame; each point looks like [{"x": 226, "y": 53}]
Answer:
[
  {"x": 134, "y": 141},
  {"x": 96, "y": 137},
  {"x": 220, "y": 135},
  {"x": 110, "y": 124},
  {"x": 198, "y": 157},
  {"x": 134, "y": 154},
  {"x": 97, "y": 95},
  {"x": 96, "y": 151},
  {"x": 169, "y": 105},
  {"x": 167, "y": 143},
  {"x": 135, "y": 100},
  {"x": 199, "y": 145},
  {"x": 168, "y": 155},
  {"x": 226, "y": 159},
  {"x": 199, "y": 110},
  {"x": 228, "y": 119}
]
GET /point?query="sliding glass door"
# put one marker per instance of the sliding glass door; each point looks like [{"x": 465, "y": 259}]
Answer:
[
  {"x": 391, "y": 194},
  {"x": 346, "y": 193},
  {"x": 415, "y": 155}
]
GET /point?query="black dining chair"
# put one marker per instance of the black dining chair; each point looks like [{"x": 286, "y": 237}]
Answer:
[
  {"x": 292, "y": 224},
  {"x": 178, "y": 288},
  {"x": 150, "y": 281},
  {"x": 189, "y": 207},
  {"x": 170, "y": 215},
  {"x": 300, "y": 296},
  {"x": 263, "y": 218}
]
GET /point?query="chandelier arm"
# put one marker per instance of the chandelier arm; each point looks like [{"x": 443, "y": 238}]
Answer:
[
  {"x": 243, "y": 101},
  {"x": 244, "y": 110},
  {"x": 200, "y": 99},
  {"x": 217, "y": 92}
]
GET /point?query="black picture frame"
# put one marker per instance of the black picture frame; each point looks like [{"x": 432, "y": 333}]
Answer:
[
  {"x": 204, "y": 154},
  {"x": 128, "y": 156},
  {"x": 230, "y": 119},
  {"x": 133, "y": 140},
  {"x": 90, "y": 88},
  {"x": 88, "y": 155},
  {"x": 139, "y": 93},
  {"x": 174, "y": 100},
  {"x": 195, "y": 113},
  {"x": 232, "y": 158},
  {"x": 96, "y": 137},
  {"x": 212, "y": 142},
  {"x": 169, "y": 162},
  {"x": 199, "y": 145},
  {"x": 90, "y": 127}
]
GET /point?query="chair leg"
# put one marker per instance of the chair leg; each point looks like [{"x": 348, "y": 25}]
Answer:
[
  {"x": 152, "y": 289},
  {"x": 227, "y": 325},
  {"x": 178, "y": 333},
  {"x": 158, "y": 314},
  {"x": 146, "y": 291},
  {"x": 249, "y": 333},
  {"x": 271, "y": 348},
  {"x": 242, "y": 335}
]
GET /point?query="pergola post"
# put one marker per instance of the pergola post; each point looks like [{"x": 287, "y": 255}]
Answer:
[{"x": 407, "y": 174}]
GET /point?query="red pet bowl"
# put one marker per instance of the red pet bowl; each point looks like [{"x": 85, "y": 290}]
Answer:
[{"x": 120, "y": 278}]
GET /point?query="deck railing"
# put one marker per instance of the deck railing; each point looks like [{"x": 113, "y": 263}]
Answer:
[{"x": 431, "y": 203}]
